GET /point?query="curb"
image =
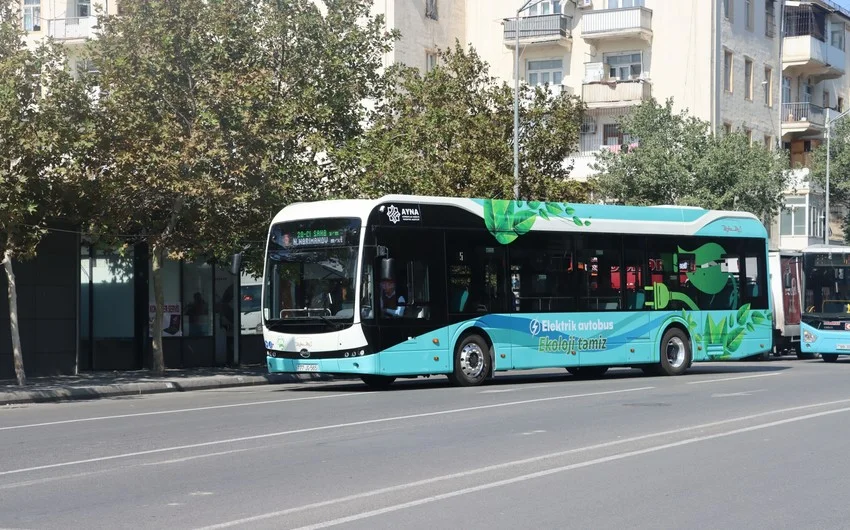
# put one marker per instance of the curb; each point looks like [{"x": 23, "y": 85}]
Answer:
[{"x": 16, "y": 397}]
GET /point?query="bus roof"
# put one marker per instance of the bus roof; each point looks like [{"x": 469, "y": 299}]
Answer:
[
  {"x": 822, "y": 248},
  {"x": 599, "y": 218}
]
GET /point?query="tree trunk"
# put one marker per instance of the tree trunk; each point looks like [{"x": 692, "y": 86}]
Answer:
[
  {"x": 158, "y": 257},
  {"x": 13, "y": 320}
]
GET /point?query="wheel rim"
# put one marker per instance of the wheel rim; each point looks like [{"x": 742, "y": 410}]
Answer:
[
  {"x": 472, "y": 360},
  {"x": 676, "y": 352}
]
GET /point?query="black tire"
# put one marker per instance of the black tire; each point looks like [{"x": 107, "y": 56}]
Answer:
[
  {"x": 472, "y": 361},
  {"x": 379, "y": 382},
  {"x": 805, "y": 356},
  {"x": 675, "y": 350},
  {"x": 829, "y": 357},
  {"x": 588, "y": 372}
]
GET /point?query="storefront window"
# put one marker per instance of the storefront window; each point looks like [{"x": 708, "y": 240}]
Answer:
[
  {"x": 172, "y": 318},
  {"x": 111, "y": 277},
  {"x": 197, "y": 299},
  {"x": 249, "y": 304}
]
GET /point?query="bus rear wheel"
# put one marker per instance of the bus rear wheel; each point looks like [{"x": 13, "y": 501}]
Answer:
[
  {"x": 472, "y": 361},
  {"x": 676, "y": 353},
  {"x": 377, "y": 381},
  {"x": 829, "y": 357}
]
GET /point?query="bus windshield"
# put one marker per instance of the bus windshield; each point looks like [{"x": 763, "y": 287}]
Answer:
[
  {"x": 310, "y": 270},
  {"x": 827, "y": 283}
]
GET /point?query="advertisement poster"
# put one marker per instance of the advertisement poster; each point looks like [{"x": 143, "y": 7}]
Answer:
[
  {"x": 791, "y": 282},
  {"x": 171, "y": 319}
]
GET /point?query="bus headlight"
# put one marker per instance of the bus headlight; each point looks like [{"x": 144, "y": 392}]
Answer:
[{"x": 809, "y": 336}]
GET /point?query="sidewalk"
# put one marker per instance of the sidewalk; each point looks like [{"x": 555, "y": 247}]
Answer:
[{"x": 93, "y": 385}]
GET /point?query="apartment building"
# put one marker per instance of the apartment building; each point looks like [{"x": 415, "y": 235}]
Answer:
[{"x": 815, "y": 88}]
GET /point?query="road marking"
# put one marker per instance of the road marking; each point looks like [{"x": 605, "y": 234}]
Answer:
[
  {"x": 562, "y": 469},
  {"x": 502, "y": 391},
  {"x": 732, "y": 378},
  {"x": 496, "y": 467},
  {"x": 315, "y": 429},
  {"x": 177, "y": 411},
  {"x": 195, "y": 457},
  {"x": 739, "y": 394}
]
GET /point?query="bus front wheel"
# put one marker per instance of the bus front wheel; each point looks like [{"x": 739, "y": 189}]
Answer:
[
  {"x": 829, "y": 357},
  {"x": 377, "y": 381},
  {"x": 472, "y": 361},
  {"x": 675, "y": 352}
]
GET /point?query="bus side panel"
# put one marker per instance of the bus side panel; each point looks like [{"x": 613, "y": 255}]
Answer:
[
  {"x": 719, "y": 335},
  {"x": 424, "y": 354},
  {"x": 500, "y": 335}
]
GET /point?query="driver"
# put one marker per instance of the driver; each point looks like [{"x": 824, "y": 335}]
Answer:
[{"x": 391, "y": 303}]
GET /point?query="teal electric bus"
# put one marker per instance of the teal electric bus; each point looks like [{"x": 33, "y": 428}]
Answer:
[
  {"x": 408, "y": 286},
  {"x": 825, "y": 322}
]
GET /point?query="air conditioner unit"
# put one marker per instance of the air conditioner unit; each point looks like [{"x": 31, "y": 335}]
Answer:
[
  {"x": 585, "y": 3},
  {"x": 588, "y": 127}
]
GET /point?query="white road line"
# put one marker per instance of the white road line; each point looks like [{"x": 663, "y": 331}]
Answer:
[
  {"x": 562, "y": 469},
  {"x": 732, "y": 378},
  {"x": 314, "y": 429},
  {"x": 178, "y": 411},
  {"x": 525, "y": 461}
]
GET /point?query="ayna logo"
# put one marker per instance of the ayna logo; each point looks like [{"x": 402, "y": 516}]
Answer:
[
  {"x": 393, "y": 214},
  {"x": 534, "y": 327}
]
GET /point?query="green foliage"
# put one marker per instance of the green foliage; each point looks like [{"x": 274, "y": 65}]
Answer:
[
  {"x": 679, "y": 162},
  {"x": 839, "y": 170},
  {"x": 214, "y": 115},
  {"x": 42, "y": 117},
  {"x": 450, "y": 132}
]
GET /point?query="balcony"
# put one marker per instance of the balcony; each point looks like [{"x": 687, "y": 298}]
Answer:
[
  {"x": 615, "y": 93},
  {"x": 69, "y": 29},
  {"x": 615, "y": 24},
  {"x": 809, "y": 56},
  {"x": 804, "y": 118},
  {"x": 541, "y": 30}
]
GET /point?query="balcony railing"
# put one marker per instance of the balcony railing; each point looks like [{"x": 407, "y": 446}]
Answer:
[
  {"x": 538, "y": 28},
  {"x": 71, "y": 28},
  {"x": 802, "y": 113},
  {"x": 615, "y": 93},
  {"x": 617, "y": 23}
]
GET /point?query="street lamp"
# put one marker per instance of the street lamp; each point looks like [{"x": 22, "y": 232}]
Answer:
[
  {"x": 525, "y": 6},
  {"x": 826, "y": 209}
]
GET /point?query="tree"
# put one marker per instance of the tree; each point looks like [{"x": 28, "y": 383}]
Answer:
[
  {"x": 215, "y": 114},
  {"x": 450, "y": 132},
  {"x": 678, "y": 161},
  {"x": 42, "y": 116},
  {"x": 839, "y": 170}
]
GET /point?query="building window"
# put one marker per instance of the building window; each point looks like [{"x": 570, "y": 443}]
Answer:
[
  {"x": 836, "y": 36},
  {"x": 748, "y": 79},
  {"x": 83, "y": 8},
  {"x": 624, "y": 66},
  {"x": 431, "y": 9},
  {"x": 198, "y": 298},
  {"x": 807, "y": 92},
  {"x": 792, "y": 220},
  {"x": 545, "y": 72},
  {"x": 769, "y": 19},
  {"x": 613, "y": 135},
  {"x": 727, "y": 9},
  {"x": 748, "y": 12},
  {"x": 547, "y": 7},
  {"x": 727, "y": 71},
  {"x": 430, "y": 61},
  {"x": 768, "y": 86},
  {"x": 768, "y": 142},
  {"x": 32, "y": 15},
  {"x": 826, "y": 99},
  {"x": 616, "y": 4},
  {"x": 840, "y": 105},
  {"x": 727, "y": 128},
  {"x": 749, "y": 133}
]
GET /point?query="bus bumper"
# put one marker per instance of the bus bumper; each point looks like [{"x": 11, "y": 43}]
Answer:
[
  {"x": 829, "y": 341},
  {"x": 355, "y": 365}
]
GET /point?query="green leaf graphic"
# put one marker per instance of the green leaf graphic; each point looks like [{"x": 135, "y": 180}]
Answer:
[
  {"x": 587, "y": 223},
  {"x": 489, "y": 218},
  {"x": 698, "y": 337},
  {"x": 523, "y": 221},
  {"x": 554, "y": 209},
  {"x": 758, "y": 318},
  {"x": 742, "y": 314},
  {"x": 534, "y": 204},
  {"x": 542, "y": 213},
  {"x": 569, "y": 211},
  {"x": 578, "y": 221},
  {"x": 734, "y": 339},
  {"x": 750, "y": 327}
]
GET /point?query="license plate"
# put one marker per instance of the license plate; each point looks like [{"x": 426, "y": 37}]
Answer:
[
  {"x": 843, "y": 347},
  {"x": 307, "y": 368}
]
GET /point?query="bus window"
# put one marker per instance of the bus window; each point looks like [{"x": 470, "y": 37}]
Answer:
[
  {"x": 634, "y": 261},
  {"x": 600, "y": 273},
  {"x": 542, "y": 273}
]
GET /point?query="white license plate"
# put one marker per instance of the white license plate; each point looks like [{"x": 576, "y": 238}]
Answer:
[
  {"x": 307, "y": 368},
  {"x": 843, "y": 347}
]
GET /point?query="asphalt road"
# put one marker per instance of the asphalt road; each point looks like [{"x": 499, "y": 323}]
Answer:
[{"x": 732, "y": 445}]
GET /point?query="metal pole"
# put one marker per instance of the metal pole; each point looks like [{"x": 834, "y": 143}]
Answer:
[
  {"x": 516, "y": 105},
  {"x": 826, "y": 210}
]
